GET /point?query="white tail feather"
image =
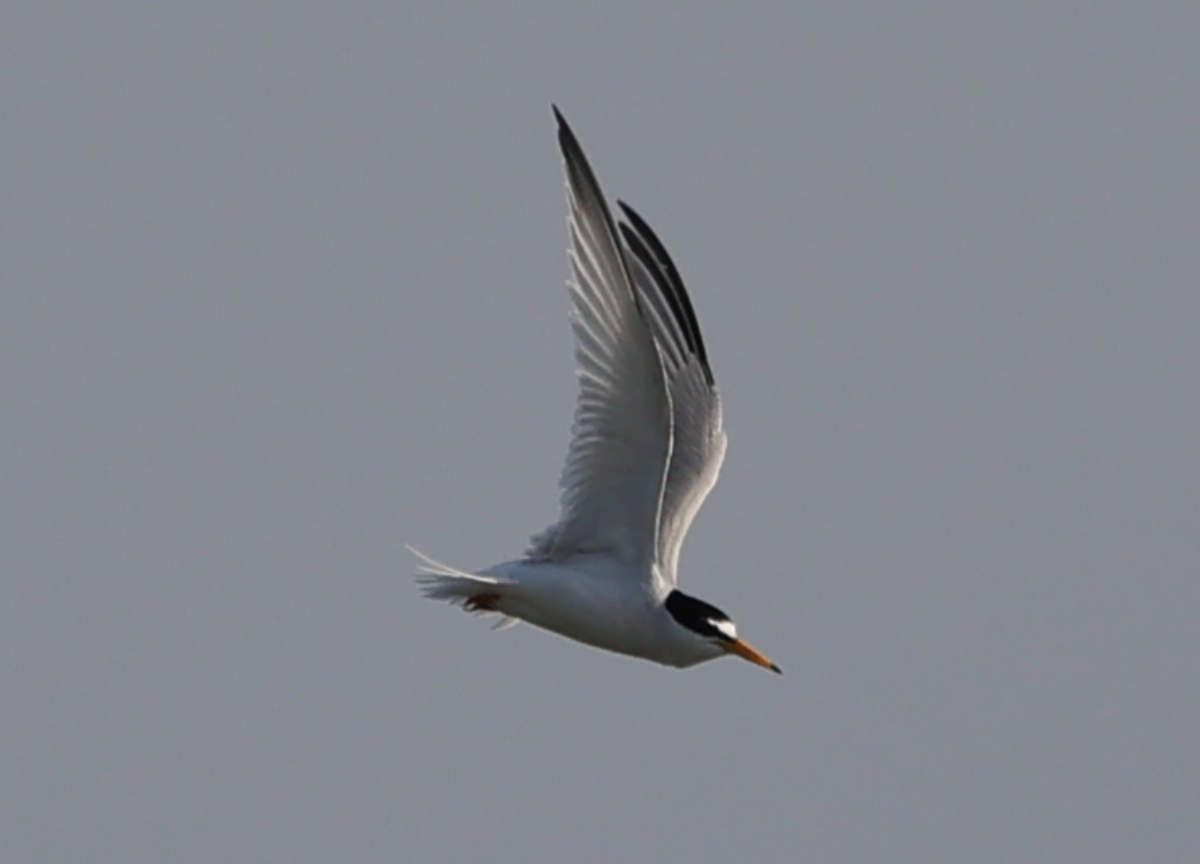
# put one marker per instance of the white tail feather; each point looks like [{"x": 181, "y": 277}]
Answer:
[{"x": 440, "y": 581}]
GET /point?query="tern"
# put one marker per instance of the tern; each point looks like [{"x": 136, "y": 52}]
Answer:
[{"x": 646, "y": 447}]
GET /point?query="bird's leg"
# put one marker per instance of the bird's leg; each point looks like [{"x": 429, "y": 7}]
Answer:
[{"x": 485, "y": 602}]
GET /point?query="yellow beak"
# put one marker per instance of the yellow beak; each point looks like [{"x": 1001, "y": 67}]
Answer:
[{"x": 748, "y": 652}]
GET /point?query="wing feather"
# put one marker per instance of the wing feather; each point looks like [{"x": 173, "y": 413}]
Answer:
[
  {"x": 698, "y": 440},
  {"x": 612, "y": 481}
]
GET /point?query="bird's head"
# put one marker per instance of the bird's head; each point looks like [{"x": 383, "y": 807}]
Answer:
[{"x": 710, "y": 623}]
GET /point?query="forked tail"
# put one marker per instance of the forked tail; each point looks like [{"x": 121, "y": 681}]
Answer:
[{"x": 471, "y": 591}]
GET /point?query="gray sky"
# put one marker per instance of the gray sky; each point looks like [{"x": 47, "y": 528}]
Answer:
[{"x": 283, "y": 289}]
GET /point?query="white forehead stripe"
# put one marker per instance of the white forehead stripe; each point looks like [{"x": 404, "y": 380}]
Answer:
[{"x": 726, "y": 627}]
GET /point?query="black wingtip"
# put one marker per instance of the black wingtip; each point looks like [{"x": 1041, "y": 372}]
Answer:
[
  {"x": 644, "y": 243},
  {"x": 566, "y": 136},
  {"x": 567, "y": 142},
  {"x": 581, "y": 177}
]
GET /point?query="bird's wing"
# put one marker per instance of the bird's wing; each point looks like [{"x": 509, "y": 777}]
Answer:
[
  {"x": 621, "y": 437},
  {"x": 698, "y": 441}
]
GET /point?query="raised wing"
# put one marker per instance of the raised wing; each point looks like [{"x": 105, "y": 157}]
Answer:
[
  {"x": 698, "y": 441},
  {"x": 612, "y": 481}
]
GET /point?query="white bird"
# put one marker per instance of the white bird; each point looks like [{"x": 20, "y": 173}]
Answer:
[{"x": 646, "y": 447}]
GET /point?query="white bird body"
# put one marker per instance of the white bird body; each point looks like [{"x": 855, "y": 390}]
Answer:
[
  {"x": 589, "y": 599},
  {"x": 586, "y": 599},
  {"x": 646, "y": 448}
]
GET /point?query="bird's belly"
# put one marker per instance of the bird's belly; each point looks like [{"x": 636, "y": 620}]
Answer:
[{"x": 613, "y": 614}]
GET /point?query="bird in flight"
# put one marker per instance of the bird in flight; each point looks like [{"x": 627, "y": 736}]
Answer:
[{"x": 646, "y": 447}]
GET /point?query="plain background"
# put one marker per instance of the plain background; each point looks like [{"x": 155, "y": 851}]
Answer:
[{"x": 282, "y": 288}]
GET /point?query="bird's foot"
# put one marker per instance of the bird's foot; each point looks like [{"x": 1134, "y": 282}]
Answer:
[{"x": 485, "y": 602}]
